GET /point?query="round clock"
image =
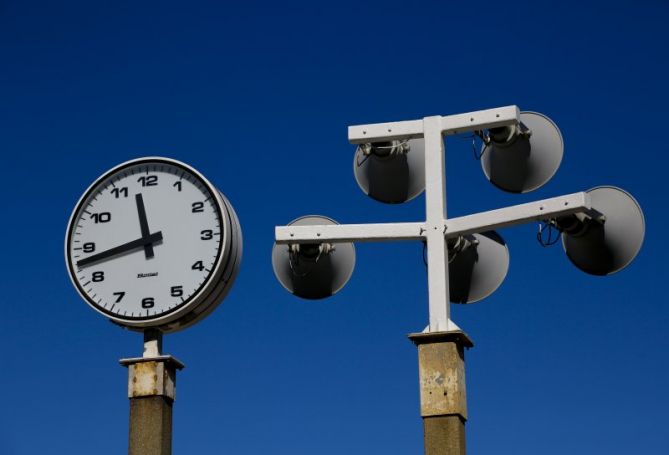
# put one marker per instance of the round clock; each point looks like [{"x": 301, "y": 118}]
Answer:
[{"x": 153, "y": 244}]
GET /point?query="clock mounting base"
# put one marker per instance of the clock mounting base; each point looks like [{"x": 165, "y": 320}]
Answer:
[{"x": 152, "y": 391}]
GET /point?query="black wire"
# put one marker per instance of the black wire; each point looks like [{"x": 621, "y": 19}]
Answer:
[
  {"x": 366, "y": 157},
  {"x": 478, "y": 156},
  {"x": 550, "y": 240},
  {"x": 425, "y": 254},
  {"x": 473, "y": 136},
  {"x": 296, "y": 264}
]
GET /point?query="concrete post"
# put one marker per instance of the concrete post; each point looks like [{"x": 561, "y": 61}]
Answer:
[
  {"x": 152, "y": 390},
  {"x": 443, "y": 399},
  {"x": 150, "y": 426}
]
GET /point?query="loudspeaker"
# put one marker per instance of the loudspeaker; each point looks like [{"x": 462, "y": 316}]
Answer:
[
  {"x": 522, "y": 158},
  {"x": 313, "y": 271},
  {"x": 392, "y": 172},
  {"x": 478, "y": 264},
  {"x": 605, "y": 246}
]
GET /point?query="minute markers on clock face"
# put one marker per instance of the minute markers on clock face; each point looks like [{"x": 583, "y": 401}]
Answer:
[{"x": 145, "y": 240}]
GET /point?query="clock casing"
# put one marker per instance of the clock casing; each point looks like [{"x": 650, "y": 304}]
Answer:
[{"x": 153, "y": 244}]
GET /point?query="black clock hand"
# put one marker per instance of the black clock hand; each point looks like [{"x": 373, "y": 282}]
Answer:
[
  {"x": 143, "y": 225},
  {"x": 150, "y": 240}
]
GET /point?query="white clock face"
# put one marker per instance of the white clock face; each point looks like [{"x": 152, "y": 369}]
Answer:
[{"x": 146, "y": 240}]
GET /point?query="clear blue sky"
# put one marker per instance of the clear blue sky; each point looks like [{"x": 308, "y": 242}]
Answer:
[{"x": 258, "y": 96}]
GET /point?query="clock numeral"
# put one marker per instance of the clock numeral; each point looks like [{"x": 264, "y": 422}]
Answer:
[
  {"x": 118, "y": 192},
  {"x": 198, "y": 207},
  {"x": 207, "y": 234},
  {"x": 98, "y": 276},
  {"x": 177, "y": 184},
  {"x": 102, "y": 217},
  {"x": 147, "y": 302},
  {"x": 177, "y": 291},
  {"x": 89, "y": 247},
  {"x": 119, "y": 295},
  {"x": 198, "y": 266},
  {"x": 149, "y": 180}
]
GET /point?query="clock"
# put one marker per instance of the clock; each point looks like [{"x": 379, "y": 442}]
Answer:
[{"x": 153, "y": 244}]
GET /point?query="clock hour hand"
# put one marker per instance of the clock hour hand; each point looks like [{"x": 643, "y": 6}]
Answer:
[
  {"x": 144, "y": 225},
  {"x": 139, "y": 243}
]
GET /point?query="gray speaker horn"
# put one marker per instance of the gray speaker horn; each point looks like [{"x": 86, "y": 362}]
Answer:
[
  {"x": 478, "y": 264},
  {"x": 603, "y": 247},
  {"x": 392, "y": 172},
  {"x": 313, "y": 271},
  {"x": 522, "y": 158}
]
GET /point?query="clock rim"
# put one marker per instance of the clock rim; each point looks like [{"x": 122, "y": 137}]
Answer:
[
  {"x": 203, "y": 297},
  {"x": 220, "y": 291}
]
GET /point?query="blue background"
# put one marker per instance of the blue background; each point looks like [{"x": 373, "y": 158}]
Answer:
[{"x": 258, "y": 96}]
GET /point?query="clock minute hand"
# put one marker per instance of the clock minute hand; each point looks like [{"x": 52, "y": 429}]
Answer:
[
  {"x": 148, "y": 240},
  {"x": 143, "y": 225}
]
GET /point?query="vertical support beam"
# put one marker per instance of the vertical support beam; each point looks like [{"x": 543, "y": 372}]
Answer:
[
  {"x": 444, "y": 435},
  {"x": 435, "y": 209},
  {"x": 150, "y": 426},
  {"x": 151, "y": 390},
  {"x": 443, "y": 398},
  {"x": 153, "y": 343}
]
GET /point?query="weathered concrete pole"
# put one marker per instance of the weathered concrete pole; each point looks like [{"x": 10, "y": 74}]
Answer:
[
  {"x": 443, "y": 398},
  {"x": 151, "y": 390}
]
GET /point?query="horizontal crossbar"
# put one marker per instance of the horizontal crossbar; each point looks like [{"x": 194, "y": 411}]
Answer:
[
  {"x": 479, "y": 222},
  {"x": 519, "y": 214},
  {"x": 350, "y": 232},
  {"x": 450, "y": 124}
]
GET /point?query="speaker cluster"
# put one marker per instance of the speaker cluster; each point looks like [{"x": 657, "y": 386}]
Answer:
[{"x": 518, "y": 159}]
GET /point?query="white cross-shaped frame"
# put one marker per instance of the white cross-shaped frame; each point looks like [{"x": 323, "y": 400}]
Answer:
[{"x": 437, "y": 228}]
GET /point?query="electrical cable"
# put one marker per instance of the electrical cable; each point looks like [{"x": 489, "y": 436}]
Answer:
[
  {"x": 550, "y": 228},
  {"x": 397, "y": 147},
  {"x": 365, "y": 157},
  {"x": 425, "y": 254},
  {"x": 484, "y": 139},
  {"x": 292, "y": 254}
]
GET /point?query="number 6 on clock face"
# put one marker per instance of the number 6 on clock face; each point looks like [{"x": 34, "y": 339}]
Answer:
[{"x": 152, "y": 243}]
